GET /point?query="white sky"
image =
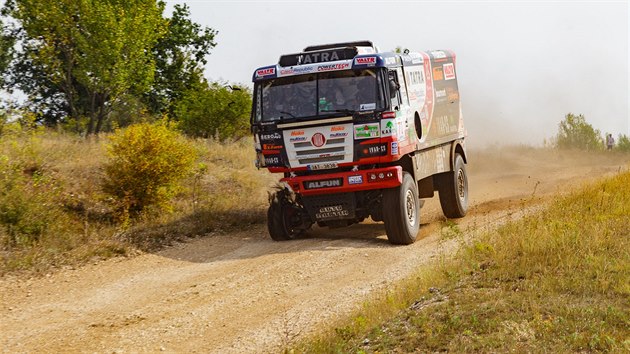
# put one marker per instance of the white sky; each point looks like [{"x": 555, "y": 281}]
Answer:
[{"x": 522, "y": 65}]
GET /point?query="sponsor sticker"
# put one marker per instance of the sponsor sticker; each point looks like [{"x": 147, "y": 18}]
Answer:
[
  {"x": 449, "y": 71},
  {"x": 265, "y": 72},
  {"x": 330, "y": 67},
  {"x": 324, "y": 183},
  {"x": 438, "y": 54},
  {"x": 297, "y": 139},
  {"x": 387, "y": 127},
  {"x": 297, "y": 70},
  {"x": 365, "y": 131},
  {"x": 367, "y": 107},
  {"x": 297, "y": 133},
  {"x": 365, "y": 61},
  {"x": 355, "y": 179},
  {"x": 452, "y": 94},
  {"x": 440, "y": 96},
  {"x": 438, "y": 74},
  {"x": 274, "y": 136},
  {"x": 337, "y": 128},
  {"x": 272, "y": 160},
  {"x": 338, "y": 135},
  {"x": 394, "y": 148},
  {"x": 272, "y": 147}
]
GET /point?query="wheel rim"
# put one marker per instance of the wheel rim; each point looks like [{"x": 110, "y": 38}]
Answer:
[
  {"x": 410, "y": 208},
  {"x": 461, "y": 185},
  {"x": 287, "y": 216}
]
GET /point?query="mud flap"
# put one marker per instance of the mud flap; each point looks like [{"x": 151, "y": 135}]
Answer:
[{"x": 329, "y": 207}]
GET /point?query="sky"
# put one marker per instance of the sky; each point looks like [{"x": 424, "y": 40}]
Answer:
[{"x": 522, "y": 65}]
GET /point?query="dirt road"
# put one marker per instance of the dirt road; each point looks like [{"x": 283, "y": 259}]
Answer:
[{"x": 242, "y": 292}]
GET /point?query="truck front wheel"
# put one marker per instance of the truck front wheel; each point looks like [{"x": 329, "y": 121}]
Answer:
[
  {"x": 401, "y": 211},
  {"x": 453, "y": 190},
  {"x": 281, "y": 219}
]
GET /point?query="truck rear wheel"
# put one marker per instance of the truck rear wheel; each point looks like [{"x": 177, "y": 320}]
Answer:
[
  {"x": 401, "y": 212},
  {"x": 280, "y": 219},
  {"x": 453, "y": 190}
]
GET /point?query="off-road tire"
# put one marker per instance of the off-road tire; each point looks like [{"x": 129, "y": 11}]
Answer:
[
  {"x": 453, "y": 190},
  {"x": 401, "y": 211},
  {"x": 278, "y": 220}
]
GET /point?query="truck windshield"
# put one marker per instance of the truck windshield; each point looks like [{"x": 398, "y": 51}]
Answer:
[{"x": 315, "y": 95}]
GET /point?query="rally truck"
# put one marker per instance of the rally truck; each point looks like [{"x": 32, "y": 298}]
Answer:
[{"x": 359, "y": 133}]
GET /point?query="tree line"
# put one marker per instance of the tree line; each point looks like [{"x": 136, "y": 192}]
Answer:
[
  {"x": 90, "y": 66},
  {"x": 574, "y": 132}
]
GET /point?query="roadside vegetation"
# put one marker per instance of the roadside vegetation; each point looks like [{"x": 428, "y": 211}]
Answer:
[
  {"x": 555, "y": 281},
  {"x": 119, "y": 143},
  {"x": 65, "y": 200},
  {"x": 574, "y": 132}
]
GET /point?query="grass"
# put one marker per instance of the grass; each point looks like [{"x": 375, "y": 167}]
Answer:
[
  {"x": 557, "y": 281},
  {"x": 53, "y": 211}
]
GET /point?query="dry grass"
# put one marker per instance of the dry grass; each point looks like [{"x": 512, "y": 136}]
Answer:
[
  {"x": 59, "y": 177},
  {"x": 557, "y": 281}
]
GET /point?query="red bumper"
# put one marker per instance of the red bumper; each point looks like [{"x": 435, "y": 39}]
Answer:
[{"x": 342, "y": 182}]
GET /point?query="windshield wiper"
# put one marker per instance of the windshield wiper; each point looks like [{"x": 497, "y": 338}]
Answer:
[
  {"x": 283, "y": 112},
  {"x": 345, "y": 110}
]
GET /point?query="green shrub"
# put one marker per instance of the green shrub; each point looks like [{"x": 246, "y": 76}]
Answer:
[
  {"x": 146, "y": 163},
  {"x": 575, "y": 133},
  {"x": 623, "y": 143},
  {"x": 28, "y": 193}
]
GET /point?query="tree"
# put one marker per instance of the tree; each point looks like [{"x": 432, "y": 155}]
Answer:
[
  {"x": 215, "y": 111},
  {"x": 28, "y": 75},
  {"x": 180, "y": 56},
  {"x": 623, "y": 143},
  {"x": 85, "y": 55},
  {"x": 6, "y": 51},
  {"x": 574, "y": 132}
]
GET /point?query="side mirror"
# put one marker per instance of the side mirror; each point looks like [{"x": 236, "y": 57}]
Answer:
[{"x": 393, "y": 87}]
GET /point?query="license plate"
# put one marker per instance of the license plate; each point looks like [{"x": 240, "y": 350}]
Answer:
[{"x": 323, "y": 166}]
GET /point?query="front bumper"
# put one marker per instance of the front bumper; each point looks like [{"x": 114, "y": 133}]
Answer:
[{"x": 343, "y": 182}]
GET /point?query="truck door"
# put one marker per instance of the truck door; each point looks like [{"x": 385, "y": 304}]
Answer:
[{"x": 401, "y": 104}]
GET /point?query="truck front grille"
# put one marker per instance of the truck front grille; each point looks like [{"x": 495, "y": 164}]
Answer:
[{"x": 336, "y": 145}]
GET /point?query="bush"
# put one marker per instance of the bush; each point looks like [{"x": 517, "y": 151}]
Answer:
[
  {"x": 146, "y": 163},
  {"x": 623, "y": 143},
  {"x": 28, "y": 193},
  {"x": 22, "y": 221},
  {"x": 575, "y": 133}
]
